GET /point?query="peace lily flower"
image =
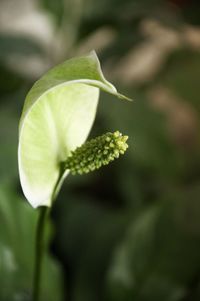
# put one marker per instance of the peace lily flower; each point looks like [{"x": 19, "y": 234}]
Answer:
[
  {"x": 58, "y": 114},
  {"x": 57, "y": 117}
]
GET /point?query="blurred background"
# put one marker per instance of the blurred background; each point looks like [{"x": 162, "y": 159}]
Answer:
[{"x": 130, "y": 231}]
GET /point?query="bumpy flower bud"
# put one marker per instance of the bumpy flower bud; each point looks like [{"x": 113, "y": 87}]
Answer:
[{"x": 97, "y": 152}]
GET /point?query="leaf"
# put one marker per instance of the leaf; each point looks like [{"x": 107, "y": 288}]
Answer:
[
  {"x": 158, "y": 258},
  {"x": 17, "y": 227},
  {"x": 57, "y": 117}
]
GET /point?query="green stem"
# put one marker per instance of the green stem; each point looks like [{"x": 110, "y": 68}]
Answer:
[
  {"x": 40, "y": 242},
  {"x": 39, "y": 248}
]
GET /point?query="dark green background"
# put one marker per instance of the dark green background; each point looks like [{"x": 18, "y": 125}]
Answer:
[{"x": 130, "y": 231}]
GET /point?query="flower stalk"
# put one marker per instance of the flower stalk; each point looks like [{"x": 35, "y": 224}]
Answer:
[{"x": 39, "y": 251}]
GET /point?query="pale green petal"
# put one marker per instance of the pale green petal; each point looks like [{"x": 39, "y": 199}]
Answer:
[{"x": 57, "y": 117}]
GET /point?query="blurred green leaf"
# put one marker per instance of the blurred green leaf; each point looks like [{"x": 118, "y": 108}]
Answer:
[
  {"x": 87, "y": 234},
  {"x": 159, "y": 254},
  {"x": 17, "y": 232}
]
